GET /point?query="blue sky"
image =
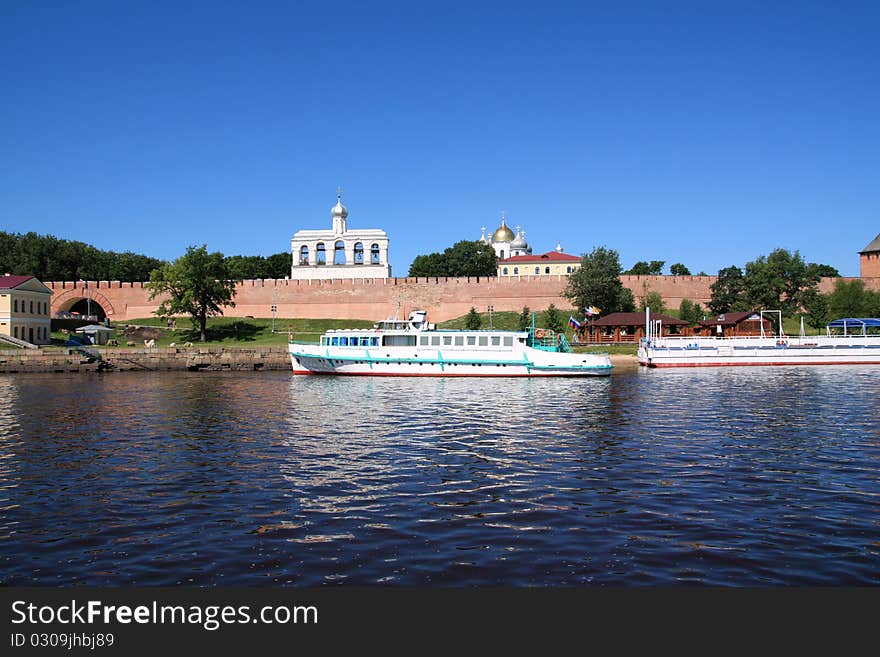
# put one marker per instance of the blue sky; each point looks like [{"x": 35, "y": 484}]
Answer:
[{"x": 702, "y": 133}]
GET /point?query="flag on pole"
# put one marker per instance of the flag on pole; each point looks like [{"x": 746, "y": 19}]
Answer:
[
  {"x": 573, "y": 323},
  {"x": 589, "y": 311}
]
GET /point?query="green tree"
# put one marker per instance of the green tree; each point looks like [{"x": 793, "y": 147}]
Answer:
[
  {"x": 642, "y": 268},
  {"x": 198, "y": 284},
  {"x": 780, "y": 280},
  {"x": 690, "y": 312},
  {"x": 728, "y": 291},
  {"x": 823, "y": 271},
  {"x": 552, "y": 320},
  {"x": 818, "y": 315},
  {"x": 597, "y": 283},
  {"x": 679, "y": 269},
  {"x": 52, "y": 259},
  {"x": 851, "y": 299},
  {"x": 432, "y": 264},
  {"x": 278, "y": 265},
  {"x": 464, "y": 258},
  {"x": 653, "y": 300},
  {"x": 525, "y": 319},
  {"x": 472, "y": 320}
]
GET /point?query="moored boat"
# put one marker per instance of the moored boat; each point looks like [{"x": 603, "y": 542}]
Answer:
[
  {"x": 850, "y": 341},
  {"x": 415, "y": 347}
]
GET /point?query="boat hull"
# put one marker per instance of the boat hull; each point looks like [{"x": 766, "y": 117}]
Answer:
[
  {"x": 319, "y": 360},
  {"x": 678, "y": 352}
]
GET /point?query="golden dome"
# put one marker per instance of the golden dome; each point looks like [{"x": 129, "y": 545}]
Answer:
[{"x": 503, "y": 234}]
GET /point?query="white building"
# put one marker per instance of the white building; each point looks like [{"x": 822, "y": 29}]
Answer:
[
  {"x": 340, "y": 252},
  {"x": 505, "y": 243}
]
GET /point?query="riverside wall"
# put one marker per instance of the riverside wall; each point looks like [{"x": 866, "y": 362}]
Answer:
[
  {"x": 96, "y": 359},
  {"x": 443, "y": 298}
]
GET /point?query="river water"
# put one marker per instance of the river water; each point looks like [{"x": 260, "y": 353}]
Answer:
[{"x": 723, "y": 476}]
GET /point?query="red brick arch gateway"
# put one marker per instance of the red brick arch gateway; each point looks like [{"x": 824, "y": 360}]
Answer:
[{"x": 65, "y": 300}]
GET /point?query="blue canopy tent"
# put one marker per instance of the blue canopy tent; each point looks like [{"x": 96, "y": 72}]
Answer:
[{"x": 862, "y": 323}]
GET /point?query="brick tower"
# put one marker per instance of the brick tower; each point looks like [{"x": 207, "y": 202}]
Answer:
[{"x": 870, "y": 259}]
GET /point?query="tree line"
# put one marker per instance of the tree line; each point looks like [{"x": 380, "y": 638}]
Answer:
[
  {"x": 464, "y": 258},
  {"x": 50, "y": 258},
  {"x": 781, "y": 280}
]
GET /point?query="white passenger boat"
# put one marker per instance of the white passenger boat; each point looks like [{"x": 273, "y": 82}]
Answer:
[
  {"x": 416, "y": 348},
  {"x": 845, "y": 342}
]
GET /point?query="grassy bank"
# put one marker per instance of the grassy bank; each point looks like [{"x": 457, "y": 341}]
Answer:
[
  {"x": 225, "y": 331},
  {"x": 257, "y": 331}
]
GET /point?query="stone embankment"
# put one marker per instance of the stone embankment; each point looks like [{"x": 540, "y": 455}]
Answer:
[
  {"x": 95, "y": 359},
  {"x": 194, "y": 359}
]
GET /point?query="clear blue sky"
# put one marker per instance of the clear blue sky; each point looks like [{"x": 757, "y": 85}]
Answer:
[{"x": 703, "y": 133}]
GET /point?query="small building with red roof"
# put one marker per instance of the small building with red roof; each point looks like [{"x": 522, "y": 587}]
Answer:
[
  {"x": 25, "y": 306},
  {"x": 627, "y": 327},
  {"x": 736, "y": 324},
  {"x": 552, "y": 263}
]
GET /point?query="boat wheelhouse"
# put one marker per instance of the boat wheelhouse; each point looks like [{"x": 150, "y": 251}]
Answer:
[
  {"x": 850, "y": 341},
  {"x": 415, "y": 347}
]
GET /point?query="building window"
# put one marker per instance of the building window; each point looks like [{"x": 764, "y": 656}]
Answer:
[
  {"x": 501, "y": 257},
  {"x": 504, "y": 271},
  {"x": 374, "y": 254},
  {"x": 537, "y": 270},
  {"x": 31, "y": 311},
  {"x": 546, "y": 270},
  {"x": 516, "y": 271},
  {"x": 320, "y": 254},
  {"x": 568, "y": 269},
  {"x": 358, "y": 253},
  {"x": 339, "y": 253},
  {"x": 14, "y": 331},
  {"x": 15, "y": 305},
  {"x": 304, "y": 255}
]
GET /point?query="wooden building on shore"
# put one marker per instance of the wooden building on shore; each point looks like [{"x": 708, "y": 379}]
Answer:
[
  {"x": 626, "y": 327},
  {"x": 733, "y": 324}
]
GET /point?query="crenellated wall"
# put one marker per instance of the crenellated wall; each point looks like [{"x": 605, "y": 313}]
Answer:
[{"x": 443, "y": 298}]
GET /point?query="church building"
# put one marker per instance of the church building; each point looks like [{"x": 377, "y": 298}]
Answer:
[
  {"x": 339, "y": 252},
  {"x": 515, "y": 255},
  {"x": 505, "y": 243}
]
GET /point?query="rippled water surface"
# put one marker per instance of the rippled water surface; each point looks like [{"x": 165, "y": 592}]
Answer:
[{"x": 751, "y": 476}]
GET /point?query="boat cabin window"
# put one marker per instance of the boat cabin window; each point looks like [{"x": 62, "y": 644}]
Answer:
[
  {"x": 459, "y": 340},
  {"x": 447, "y": 340},
  {"x": 423, "y": 341},
  {"x": 335, "y": 342},
  {"x": 472, "y": 340},
  {"x": 435, "y": 340},
  {"x": 343, "y": 342},
  {"x": 496, "y": 340},
  {"x": 399, "y": 341},
  {"x": 484, "y": 340},
  {"x": 508, "y": 341}
]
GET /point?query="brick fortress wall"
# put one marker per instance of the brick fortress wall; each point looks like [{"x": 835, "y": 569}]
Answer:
[{"x": 443, "y": 298}]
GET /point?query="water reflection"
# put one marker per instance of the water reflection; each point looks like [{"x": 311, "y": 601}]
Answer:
[{"x": 732, "y": 477}]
